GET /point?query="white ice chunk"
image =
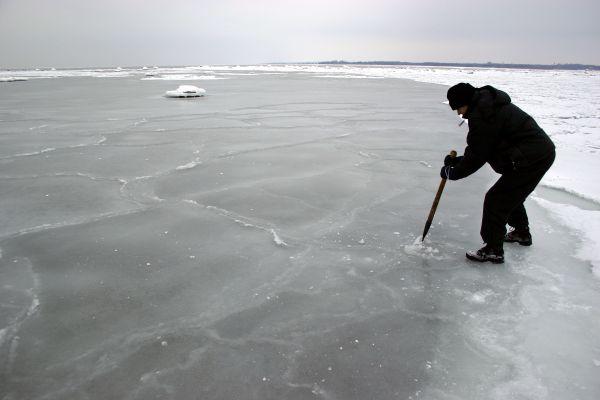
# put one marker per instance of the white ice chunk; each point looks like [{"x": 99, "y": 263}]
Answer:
[
  {"x": 184, "y": 91},
  {"x": 12, "y": 79}
]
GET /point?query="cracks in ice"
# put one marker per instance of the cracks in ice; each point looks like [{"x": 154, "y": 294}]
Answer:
[
  {"x": 54, "y": 149},
  {"x": 10, "y": 334},
  {"x": 243, "y": 221},
  {"x": 73, "y": 222},
  {"x": 67, "y": 174},
  {"x": 280, "y": 146},
  {"x": 77, "y": 221}
]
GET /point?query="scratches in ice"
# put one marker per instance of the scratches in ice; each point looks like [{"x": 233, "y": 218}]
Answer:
[{"x": 242, "y": 221}]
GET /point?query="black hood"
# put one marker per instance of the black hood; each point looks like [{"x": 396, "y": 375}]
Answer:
[{"x": 486, "y": 99}]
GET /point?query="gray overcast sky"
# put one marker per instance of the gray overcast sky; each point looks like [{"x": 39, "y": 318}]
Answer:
[{"x": 78, "y": 33}]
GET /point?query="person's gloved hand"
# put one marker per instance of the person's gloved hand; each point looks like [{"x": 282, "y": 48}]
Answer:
[
  {"x": 450, "y": 161},
  {"x": 447, "y": 172}
]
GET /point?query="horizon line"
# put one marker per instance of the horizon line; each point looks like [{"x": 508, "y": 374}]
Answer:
[{"x": 488, "y": 64}]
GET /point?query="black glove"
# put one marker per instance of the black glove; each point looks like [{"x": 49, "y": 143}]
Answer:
[
  {"x": 450, "y": 161},
  {"x": 447, "y": 172}
]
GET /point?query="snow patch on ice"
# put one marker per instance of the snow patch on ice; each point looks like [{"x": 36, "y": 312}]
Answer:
[{"x": 586, "y": 222}]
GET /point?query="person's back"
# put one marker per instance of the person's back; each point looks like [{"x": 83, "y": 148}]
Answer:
[{"x": 517, "y": 140}]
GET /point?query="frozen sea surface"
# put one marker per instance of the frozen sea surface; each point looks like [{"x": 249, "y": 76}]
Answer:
[{"x": 262, "y": 243}]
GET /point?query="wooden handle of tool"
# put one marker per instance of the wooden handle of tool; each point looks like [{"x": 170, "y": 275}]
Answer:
[
  {"x": 440, "y": 189},
  {"x": 438, "y": 195}
]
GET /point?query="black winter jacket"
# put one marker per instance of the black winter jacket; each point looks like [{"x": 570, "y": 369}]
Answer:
[{"x": 500, "y": 134}]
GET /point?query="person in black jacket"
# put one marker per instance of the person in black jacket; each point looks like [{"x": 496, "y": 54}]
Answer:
[{"x": 507, "y": 138}]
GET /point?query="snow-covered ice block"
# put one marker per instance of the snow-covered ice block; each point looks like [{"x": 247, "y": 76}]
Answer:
[
  {"x": 184, "y": 91},
  {"x": 12, "y": 79}
]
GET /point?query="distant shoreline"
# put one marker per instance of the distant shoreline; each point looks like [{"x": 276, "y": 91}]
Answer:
[
  {"x": 466, "y": 65},
  {"x": 567, "y": 67}
]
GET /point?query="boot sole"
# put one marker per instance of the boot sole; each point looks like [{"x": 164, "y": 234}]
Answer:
[
  {"x": 493, "y": 261},
  {"x": 522, "y": 243}
]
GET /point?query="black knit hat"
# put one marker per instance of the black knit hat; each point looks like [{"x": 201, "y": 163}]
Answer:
[{"x": 460, "y": 95}]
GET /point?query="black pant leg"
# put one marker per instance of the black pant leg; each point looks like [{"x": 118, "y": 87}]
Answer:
[
  {"x": 508, "y": 195},
  {"x": 499, "y": 202},
  {"x": 518, "y": 217}
]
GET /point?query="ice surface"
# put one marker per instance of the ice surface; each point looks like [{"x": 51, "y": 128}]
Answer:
[
  {"x": 565, "y": 103},
  {"x": 264, "y": 243}
]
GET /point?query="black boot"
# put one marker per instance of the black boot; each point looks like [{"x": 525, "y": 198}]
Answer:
[
  {"x": 521, "y": 236},
  {"x": 487, "y": 253}
]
